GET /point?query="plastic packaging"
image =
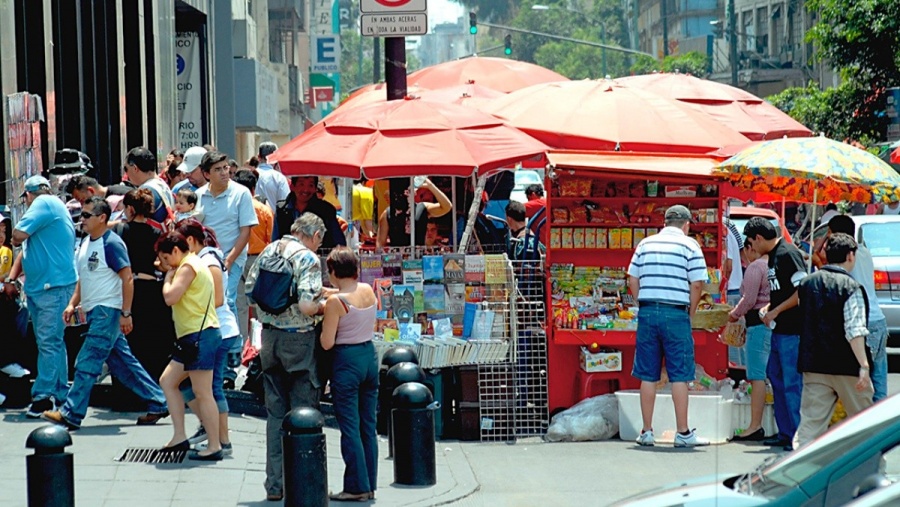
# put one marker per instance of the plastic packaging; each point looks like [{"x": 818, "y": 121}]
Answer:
[{"x": 594, "y": 418}]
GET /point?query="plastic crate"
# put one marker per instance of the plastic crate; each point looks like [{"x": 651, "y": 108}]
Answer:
[{"x": 709, "y": 413}]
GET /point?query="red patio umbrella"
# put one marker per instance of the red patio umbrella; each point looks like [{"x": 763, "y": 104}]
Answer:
[
  {"x": 735, "y": 108},
  {"x": 406, "y": 138},
  {"x": 452, "y": 95},
  {"x": 500, "y": 74},
  {"x": 602, "y": 115}
]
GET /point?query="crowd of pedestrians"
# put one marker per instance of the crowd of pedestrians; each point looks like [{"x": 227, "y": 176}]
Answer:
[{"x": 156, "y": 269}]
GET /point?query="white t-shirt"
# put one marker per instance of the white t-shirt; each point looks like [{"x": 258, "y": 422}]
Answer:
[
  {"x": 227, "y": 322},
  {"x": 99, "y": 262}
]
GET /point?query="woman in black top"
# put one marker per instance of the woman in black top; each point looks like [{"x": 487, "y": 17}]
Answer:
[{"x": 154, "y": 331}]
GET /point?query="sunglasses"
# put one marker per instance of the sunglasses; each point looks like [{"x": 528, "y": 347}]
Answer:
[{"x": 87, "y": 214}]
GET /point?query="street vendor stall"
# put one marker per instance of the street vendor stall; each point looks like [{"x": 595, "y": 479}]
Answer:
[{"x": 600, "y": 205}]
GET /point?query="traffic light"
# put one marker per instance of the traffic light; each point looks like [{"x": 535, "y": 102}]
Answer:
[
  {"x": 473, "y": 23},
  {"x": 507, "y": 44}
]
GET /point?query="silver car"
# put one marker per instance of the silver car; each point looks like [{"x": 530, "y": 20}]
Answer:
[{"x": 881, "y": 235}]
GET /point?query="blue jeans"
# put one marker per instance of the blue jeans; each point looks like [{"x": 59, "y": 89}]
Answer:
[
  {"x": 787, "y": 383},
  {"x": 46, "y": 308},
  {"x": 877, "y": 341},
  {"x": 757, "y": 347},
  {"x": 105, "y": 342},
  {"x": 234, "y": 280},
  {"x": 354, "y": 388},
  {"x": 663, "y": 331},
  {"x": 218, "y": 376}
]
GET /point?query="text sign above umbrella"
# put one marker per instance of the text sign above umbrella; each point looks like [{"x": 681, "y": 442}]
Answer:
[
  {"x": 406, "y": 138},
  {"x": 813, "y": 169}
]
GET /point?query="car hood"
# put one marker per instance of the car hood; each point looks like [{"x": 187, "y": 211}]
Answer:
[{"x": 702, "y": 492}]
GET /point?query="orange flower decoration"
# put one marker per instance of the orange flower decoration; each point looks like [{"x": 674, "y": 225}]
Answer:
[
  {"x": 860, "y": 195},
  {"x": 832, "y": 193},
  {"x": 760, "y": 187},
  {"x": 780, "y": 181}
]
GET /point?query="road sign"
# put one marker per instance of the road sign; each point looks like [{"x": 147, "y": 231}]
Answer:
[
  {"x": 367, "y": 6},
  {"x": 394, "y": 25},
  {"x": 326, "y": 54}
]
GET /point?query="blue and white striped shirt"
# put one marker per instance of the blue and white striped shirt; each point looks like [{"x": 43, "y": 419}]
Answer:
[{"x": 666, "y": 264}]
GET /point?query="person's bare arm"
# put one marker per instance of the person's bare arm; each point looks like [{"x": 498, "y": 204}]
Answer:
[
  {"x": 858, "y": 345},
  {"x": 73, "y": 302},
  {"x": 696, "y": 290},
  {"x": 787, "y": 304},
  {"x": 634, "y": 285},
  {"x": 177, "y": 283},
  {"x": 19, "y": 237},
  {"x": 333, "y": 312},
  {"x": 381, "y": 239},
  {"x": 126, "y": 324},
  {"x": 442, "y": 206},
  {"x": 239, "y": 247},
  {"x": 218, "y": 286},
  {"x": 16, "y": 271}
]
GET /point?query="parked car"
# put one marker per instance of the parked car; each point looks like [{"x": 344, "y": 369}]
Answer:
[
  {"x": 881, "y": 235},
  {"x": 524, "y": 178},
  {"x": 827, "y": 472},
  {"x": 740, "y": 215}
]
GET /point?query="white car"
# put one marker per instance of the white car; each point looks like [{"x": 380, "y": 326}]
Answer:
[{"x": 524, "y": 178}]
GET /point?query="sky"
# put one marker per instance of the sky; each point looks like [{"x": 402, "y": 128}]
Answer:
[{"x": 443, "y": 11}]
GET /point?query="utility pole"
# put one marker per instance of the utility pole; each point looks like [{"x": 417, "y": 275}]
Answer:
[
  {"x": 395, "y": 67},
  {"x": 732, "y": 41},
  {"x": 664, "y": 15},
  {"x": 376, "y": 59}
]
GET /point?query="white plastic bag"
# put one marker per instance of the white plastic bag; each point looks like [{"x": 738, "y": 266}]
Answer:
[{"x": 594, "y": 418}]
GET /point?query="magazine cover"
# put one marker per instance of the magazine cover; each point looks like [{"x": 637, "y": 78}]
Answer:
[
  {"x": 384, "y": 291},
  {"x": 369, "y": 268},
  {"x": 474, "y": 293},
  {"x": 474, "y": 269},
  {"x": 392, "y": 267},
  {"x": 412, "y": 273},
  {"x": 454, "y": 268},
  {"x": 495, "y": 268},
  {"x": 404, "y": 303},
  {"x": 455, "y": 298},
  {"x": 434, "y": 299},
  {"x": 410, "y": 332},
  {"x": 433, "y": 268}
]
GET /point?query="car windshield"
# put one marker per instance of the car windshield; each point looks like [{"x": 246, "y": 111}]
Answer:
[
  {"x": 525, "y": 178},
  {"x": 882, "y": 239},
  {"x": 800, "y": 465}
]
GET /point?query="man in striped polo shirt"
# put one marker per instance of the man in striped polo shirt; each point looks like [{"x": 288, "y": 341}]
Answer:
[{"x": 666, "y": 276}]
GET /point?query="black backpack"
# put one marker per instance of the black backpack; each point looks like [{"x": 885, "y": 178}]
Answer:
[{"x": 275, "y": 290}]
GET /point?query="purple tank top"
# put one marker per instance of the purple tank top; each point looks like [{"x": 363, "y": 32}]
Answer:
[{"x": 357, "y": 326}]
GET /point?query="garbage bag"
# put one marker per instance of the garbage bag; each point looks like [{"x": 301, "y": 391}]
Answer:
[{"x": 594, "y": 418}]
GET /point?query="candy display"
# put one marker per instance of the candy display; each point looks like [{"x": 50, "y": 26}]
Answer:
[{"x": 591, "y": 297}]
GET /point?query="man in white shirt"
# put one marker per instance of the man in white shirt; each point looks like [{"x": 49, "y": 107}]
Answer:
[{"x": 272, "y": 185}]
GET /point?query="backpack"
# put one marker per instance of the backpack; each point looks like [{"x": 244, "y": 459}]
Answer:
[{"x": 274, "y": 291}]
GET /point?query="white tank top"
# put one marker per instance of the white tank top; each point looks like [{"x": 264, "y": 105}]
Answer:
[{"x": 890, "y": 211}]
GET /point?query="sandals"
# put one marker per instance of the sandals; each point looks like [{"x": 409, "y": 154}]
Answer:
[{"x": 344, "y": 496}]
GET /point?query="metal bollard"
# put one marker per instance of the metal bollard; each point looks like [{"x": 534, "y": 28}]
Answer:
[
  {"x": 50, "y": 470},
  {"x": 391, "y": 357},
  {"x": 413, "y": 416},
  {"x": 305, "y": 465},
  {"x": 398, "y": 375}
]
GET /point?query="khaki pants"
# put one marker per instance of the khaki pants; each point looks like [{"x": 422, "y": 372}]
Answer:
[
  {"x": 241, "y": 302},
  {"x": 819, "y": 397}
]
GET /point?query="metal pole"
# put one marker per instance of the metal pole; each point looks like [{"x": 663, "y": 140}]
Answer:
[
  {"x": 732, "y": 41},
  {"x": 664, "y": 15},
  {"x": 395, "y": 67},
  {"x": 603, "y": 50},
  {"x": 376, "y": 59},
  {"x": 412, "y": 214}
]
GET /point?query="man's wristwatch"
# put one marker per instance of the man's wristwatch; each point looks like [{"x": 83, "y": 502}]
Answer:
[{"x": 126, "y": 314}]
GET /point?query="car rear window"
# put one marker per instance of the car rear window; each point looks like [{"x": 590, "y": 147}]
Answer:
[
  {"x": 883, "y": 240},
  {"x": 740, "y": 222}
]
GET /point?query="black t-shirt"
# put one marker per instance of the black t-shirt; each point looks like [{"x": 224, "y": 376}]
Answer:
[
  {"x": 118, "y": 189},
  {"x": 786, "y": 269},
  {"x": 140, "y": 240},
  {"x": 399, "y": 227}
]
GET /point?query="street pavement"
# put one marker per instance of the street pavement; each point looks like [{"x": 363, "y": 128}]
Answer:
[{"x": 527, "y": 473}]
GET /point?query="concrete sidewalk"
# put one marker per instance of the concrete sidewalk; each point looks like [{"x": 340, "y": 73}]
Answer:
[{"x": 238, "y": 480}]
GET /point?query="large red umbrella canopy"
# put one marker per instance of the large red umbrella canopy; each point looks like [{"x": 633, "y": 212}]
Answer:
[
  {"x": 406, "y": 138},
  {"x": 500, "y": 74},
  {"x": 735, "y": 108},
  {"x": 602, "y": 115},
  {"x": 460, "y": 94}
]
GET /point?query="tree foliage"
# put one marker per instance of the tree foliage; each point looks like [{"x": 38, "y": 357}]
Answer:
[
  {"x": 692, "y": 62},
  {"x": 497, "y": 11},
  {"x": 834, "y": 112}
]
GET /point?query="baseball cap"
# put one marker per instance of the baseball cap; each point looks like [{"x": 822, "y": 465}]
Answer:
[
  {"x": 267, "y": 148},
  {"x": 35, "y": 183},
  {"x": 678, "y": 212},
  {"x": 192, "y": 158}
]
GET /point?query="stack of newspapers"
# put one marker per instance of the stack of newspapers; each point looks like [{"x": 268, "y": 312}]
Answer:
[{"x": 441, "y": 353}]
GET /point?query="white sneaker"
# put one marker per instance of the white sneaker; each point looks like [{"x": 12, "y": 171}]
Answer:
[
  {"x": 15, "y": 370},
  {"x": 645, "y": 438},
  {"x": 689, "y": 440}
]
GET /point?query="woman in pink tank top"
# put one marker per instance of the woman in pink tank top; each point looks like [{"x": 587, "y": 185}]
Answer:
[{"x": 348, "y": 328}]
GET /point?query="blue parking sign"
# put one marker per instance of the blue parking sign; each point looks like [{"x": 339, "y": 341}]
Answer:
[{"x": 326, "y": 54}]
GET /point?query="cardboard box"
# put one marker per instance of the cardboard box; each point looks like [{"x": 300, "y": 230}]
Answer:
[
  {"x": 590, "y": 238},
  {"x": 681, "y": 191},
  {"x": 709, "y": 412},
  {"x": 615, "y": 239},
  {"x": 603, "y": 360},
  {"x": 626, "y": 237},
  {"x": 578, "y": 237},
  {"x": 639, "y": 234},
  {"x": 602, "y": 239},
  {"x": 555, "y": 238},
  {"x": 566, "y": 237}
]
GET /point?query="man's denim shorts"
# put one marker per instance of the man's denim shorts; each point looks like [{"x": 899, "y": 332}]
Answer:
[{"x": 664, "y": 331}]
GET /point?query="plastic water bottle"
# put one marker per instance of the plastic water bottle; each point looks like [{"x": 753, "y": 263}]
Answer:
[
  {"x": 726, "y": 388},
  {"x": 762, "y": 314}
]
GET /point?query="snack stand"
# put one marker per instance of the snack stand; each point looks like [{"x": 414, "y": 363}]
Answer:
[{"x": 599, "y": 206}]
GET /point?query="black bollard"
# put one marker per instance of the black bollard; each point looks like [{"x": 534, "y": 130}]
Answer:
[
  {"x": 398, "y": 375},
  {"x": 391, "y": 357},
  {"x": 50, "y": 470},
  {"x": 413, "y": 425},
  {"x": 305, "y": 466}
]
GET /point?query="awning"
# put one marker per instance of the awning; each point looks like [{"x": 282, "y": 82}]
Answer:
[{"x": 650, "y": 164}]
